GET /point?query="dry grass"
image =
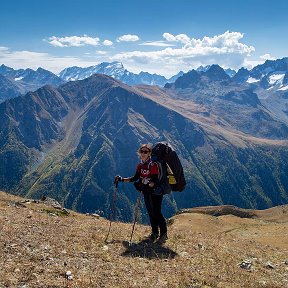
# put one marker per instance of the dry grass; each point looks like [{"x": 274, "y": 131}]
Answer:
[{"x": 38, "y": 247}]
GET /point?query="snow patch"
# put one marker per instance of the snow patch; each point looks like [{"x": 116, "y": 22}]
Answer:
[
  {"x": 252, "y": 80},
  {"x": 18, "y": 78},
  {"x": 284, "y": 88},
  {"x": 276, "y": 78}
]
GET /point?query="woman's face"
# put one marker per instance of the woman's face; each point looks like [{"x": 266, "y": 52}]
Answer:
[{"x": 144, "y": 153}]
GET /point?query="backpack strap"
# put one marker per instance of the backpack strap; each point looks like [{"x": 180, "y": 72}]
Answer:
[{"x": 160, "y": 170}]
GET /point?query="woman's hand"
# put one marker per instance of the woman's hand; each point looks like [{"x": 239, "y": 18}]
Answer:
[
  {"x": 151, "y": 184},
  {"x": 118, "y": 178}
]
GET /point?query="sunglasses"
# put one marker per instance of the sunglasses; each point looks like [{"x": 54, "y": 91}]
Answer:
[{"x": 144, "y": 151}]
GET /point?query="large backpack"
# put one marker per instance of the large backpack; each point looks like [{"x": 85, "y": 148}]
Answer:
[{"x": 171, "y": 175}]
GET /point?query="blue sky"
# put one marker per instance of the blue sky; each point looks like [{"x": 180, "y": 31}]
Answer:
[{"x": 157, "y": 36}]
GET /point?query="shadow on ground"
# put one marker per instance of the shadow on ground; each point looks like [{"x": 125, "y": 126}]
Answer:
[{"x": 147, "y": 250}]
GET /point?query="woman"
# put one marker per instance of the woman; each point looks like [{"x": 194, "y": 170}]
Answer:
[{"x": 146, "y": 180}]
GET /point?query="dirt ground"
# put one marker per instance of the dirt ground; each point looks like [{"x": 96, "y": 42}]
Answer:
[{"x": 39, "y": 244}]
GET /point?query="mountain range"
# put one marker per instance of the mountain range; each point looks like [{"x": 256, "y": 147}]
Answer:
[
  {"x": 14, "y": 83},
  {"x": 69, "y": 142},
  {"x": 270, "y": 75},
  {"x": 115, "y": 70}
]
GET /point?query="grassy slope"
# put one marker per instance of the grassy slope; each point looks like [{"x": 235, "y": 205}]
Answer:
[{"x": 37, "y": 249}]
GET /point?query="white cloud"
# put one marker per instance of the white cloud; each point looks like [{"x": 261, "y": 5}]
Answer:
[
  {"x": 33, "y": 60},
  {"x": 225, "y": 50},
  {"x": 107, "y": 43},
  {"x": 75, "y": 41},
  {"x": 156, "y": 43},
  {"x": 169, "y": 37},
  {"x": 250, "y": 63},
  {"x": 183, "y": 38},
  {"x": 128, "y": 38},
  {"x": 225, "y": 44},
  {"x": 267, "y": 57},
  {"x": 99, "y": 52},
  {"x": 178, "y": 52},
  {"x": 228, "y": 41}
]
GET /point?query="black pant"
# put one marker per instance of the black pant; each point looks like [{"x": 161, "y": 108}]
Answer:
[{"x": 153, "y": 206}]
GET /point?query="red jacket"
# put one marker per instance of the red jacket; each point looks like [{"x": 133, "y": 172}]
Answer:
[{"x": 146, "y": 172}]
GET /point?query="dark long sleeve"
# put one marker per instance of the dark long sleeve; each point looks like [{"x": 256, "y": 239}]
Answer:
[{"x": 135, "y": 177}]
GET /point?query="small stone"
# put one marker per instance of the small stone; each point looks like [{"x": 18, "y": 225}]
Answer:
[
  {"x": 69, "y": 275},
  {"x": 269, "y": 265},
  {"x": 84, "y": 254},
  {"x": 105, "y": 248},
  {"x": 65, "y": 211},
  {"x": 200, "y": 246},
  {"x": 20, "y": 204},
  {"x": 246, "y": 264},
  {"x": 286, "y": 262},
  {"x": 184, "y": 254}
]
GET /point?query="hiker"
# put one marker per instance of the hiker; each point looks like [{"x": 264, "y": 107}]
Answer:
[{"x": 146, "y": 180}]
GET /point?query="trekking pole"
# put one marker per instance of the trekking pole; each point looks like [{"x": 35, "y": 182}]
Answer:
[
  {"x": 112, "y": 209},
  {"x": 135, "y": 218}
]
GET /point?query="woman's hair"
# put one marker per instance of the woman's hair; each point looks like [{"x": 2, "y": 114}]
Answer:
[{"x": 146, "y": 146}]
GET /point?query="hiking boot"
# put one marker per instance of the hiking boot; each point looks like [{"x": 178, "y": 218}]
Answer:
[
  {"x": 151, "y": 238},
  {"x": 162, "y": 239}
]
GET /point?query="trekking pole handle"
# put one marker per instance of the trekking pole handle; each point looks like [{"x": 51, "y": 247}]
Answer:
[{"x": 116, "y": 182}]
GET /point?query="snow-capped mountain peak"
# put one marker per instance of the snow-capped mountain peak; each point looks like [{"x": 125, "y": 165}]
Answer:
[
  {"x": 115, "y": 70},
  {"x": 271, "y": 75}
]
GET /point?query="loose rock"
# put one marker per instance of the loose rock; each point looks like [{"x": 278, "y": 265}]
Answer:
[
  {"x": 68, "y": 275},
  {"x": 246, "y": 264},
  {"x": 269, "y": 265},
  {"x": 184, "y": 254}
]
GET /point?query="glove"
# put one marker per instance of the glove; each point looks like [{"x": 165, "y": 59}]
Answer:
[{"x": 118, "y": 178}]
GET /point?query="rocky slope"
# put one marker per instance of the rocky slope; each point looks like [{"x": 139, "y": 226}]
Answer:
[
  {"x": 39, "y": 244},
  {"x": 8, "y": 89}
]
